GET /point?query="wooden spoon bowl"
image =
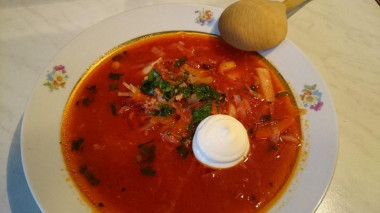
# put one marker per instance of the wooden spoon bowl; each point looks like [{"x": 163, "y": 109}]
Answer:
[{"x": 254, "y": 25}]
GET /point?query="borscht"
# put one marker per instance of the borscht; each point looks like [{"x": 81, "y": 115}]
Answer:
[{"x": 128, "y": 127}]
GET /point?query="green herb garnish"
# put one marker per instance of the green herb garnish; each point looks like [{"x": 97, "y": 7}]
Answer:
[
  {"x": 198, "y": 115},
  {"x": 280, "y": 94},
  {"x": 116, "y": 57},
  {"x": 114, "y": 76},
  {"x": 92, "y": 88},
  {"x": 86, "y": 101},
  {"x": 185, "y": 91},
  {"x": 113, "y": 109},
  {"x": 253, "y": 87},
  {"x": 206, "y": 66},
  {"x": 146, "y": 157},
  {"x": 272, "y": 148},
  {"x": 205, "y": 92},
  {"x": 201, "y": 113},
  {"x": 167, "y": 89},
  {"x": 164, "y": 111},
  {"x": 180, "y": 61},
  {"x": 182, "y": 150},
  {"x": 76, "y": 144},
  {"x": 113, "y": 87},
  {"x": 148, "y": 170},
  {"x": 250, "y": 132},
  {"x": 151, "y": 82},
  {"x": 82, "y": 169},
  {"x": 90, "y": 177},
  {"x": 146, "y": 152},
  {"x": 265, "y": 118}
]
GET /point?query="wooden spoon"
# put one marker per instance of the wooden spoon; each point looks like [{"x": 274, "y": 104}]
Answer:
[{"x": 254, "y": 25}]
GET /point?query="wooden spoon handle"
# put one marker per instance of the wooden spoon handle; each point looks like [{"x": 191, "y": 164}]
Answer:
[{"x": 291, "y": 4}]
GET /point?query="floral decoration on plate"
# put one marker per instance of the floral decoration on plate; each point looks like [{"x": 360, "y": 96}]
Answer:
[
  {"x": 204, "y": 17},
  {"x": 312, "y": 97},
  {"x": 56, "y": 78}
]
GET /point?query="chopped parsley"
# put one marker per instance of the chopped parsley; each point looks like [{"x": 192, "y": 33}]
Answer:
[
  {"x": 272, "y": 148},
  {"x": 180, "y": 61},
  {"x": 86, "y": 101},
  {"x": 250, "y": 132},
  {"x": 253, "y": 87},
  {"x": 280, "y": 94},
  {"x": 201, "y": 113},
  {"x": 164, "y": 111},
  {"x": 119, "y": 56},
  {"x": 77, "y": 144},
  {"x": 198, "y": 115},
  {"x": 113, "y": 87},
  {"x": 265, "y": 118},
  {"x": 114, "y": 76},
  {"x": 90, "y": 177},
  {"x": 182, "y": 150},
  {"x": 152, "y": 82},
  {"x": 146, "y": 152},
  {"x": 92, "y": 88},
  {"x": 205, "y": 92},
  {"x": 185, "y": 91},
  {"x": 206, "y": 66},
  {"x": 145, "y": 158},
  {"x": 167, "y": 89},
  {"x": 148, "y": 170},
  {"x": 113, "y": 109}
]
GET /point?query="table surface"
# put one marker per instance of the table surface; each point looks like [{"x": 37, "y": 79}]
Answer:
[{"x": 341, "y": 38}]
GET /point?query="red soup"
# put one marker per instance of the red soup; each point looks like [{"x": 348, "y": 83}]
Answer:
[{"x": 128, "y": 126}]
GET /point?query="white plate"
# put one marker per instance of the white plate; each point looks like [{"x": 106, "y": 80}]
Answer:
[{"x": 42, "y": 159}]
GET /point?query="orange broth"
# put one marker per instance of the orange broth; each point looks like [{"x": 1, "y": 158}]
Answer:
[{"x": 128, "y": 125}]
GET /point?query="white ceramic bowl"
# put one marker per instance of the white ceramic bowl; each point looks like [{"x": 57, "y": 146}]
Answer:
[{"x": 43, "y": 163}]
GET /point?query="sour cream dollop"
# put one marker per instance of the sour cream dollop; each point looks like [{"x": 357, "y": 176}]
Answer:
[{"x": 220, "y": 141}]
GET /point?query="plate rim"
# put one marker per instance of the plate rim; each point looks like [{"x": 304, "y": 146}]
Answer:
[{"x": 26, "y": 115}]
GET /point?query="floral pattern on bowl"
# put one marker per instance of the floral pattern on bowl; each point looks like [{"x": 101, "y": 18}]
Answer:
[
  {"x": 56, "y": 78},
  {"x": 311, "y": 97},
  {"x": 204, "y": 17}
]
